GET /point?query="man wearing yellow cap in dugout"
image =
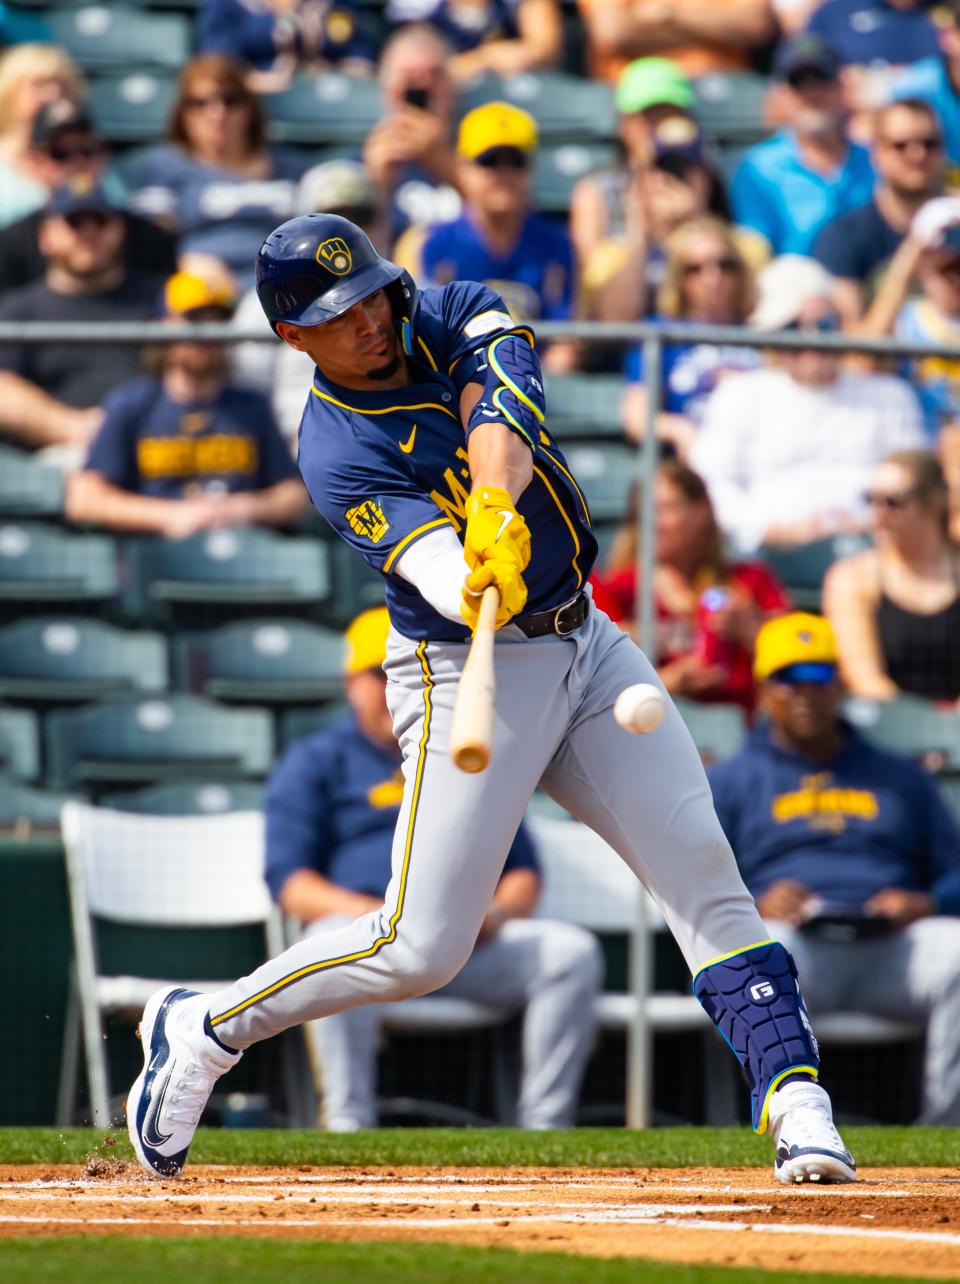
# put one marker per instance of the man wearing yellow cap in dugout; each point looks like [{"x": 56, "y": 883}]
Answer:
[
  {"x": 331, "y": 810},
  {"x": 850, "y": 853}
]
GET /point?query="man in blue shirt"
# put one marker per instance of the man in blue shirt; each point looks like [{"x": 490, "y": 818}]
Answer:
[
  {"x": 850, "y": 853},
  {"x": 331, "y": 810},
  {"x": 187, "y": 451},
  {"x": 937, "y": 79},
  {"x": 871, "y": 33},
  {"x": 788, "y": 187}
]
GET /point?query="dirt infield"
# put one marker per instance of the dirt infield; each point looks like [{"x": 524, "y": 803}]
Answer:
[{"x": 893, "y": 1222}]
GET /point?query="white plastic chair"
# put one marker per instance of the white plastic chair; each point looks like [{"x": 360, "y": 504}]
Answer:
[{"x": 158, "y": 871}]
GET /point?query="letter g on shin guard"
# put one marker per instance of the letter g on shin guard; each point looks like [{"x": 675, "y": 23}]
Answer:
[{"x": 754, "y": 1000}]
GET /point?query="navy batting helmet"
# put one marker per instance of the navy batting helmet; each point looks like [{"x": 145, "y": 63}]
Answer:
[{"x": 314, "y": 267}]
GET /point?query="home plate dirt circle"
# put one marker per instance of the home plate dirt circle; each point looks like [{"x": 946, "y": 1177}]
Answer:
[{"x": 892, "y": 1222}]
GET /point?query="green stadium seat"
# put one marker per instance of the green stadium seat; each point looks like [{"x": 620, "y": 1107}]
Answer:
[
  {"x": 102, "y": 37},
  {"x": 557, "y": 169},
  {"x": 23, "y": 808},
  {"x": 605, "y": 472},
  {"x": 41, "y": 564},
  {"x": 584, "y": 406},
  {"x": 913, "y": 727},
  {"x": 565, "y": 107},
  {"x": 324, "y": 107},
  {"x": 730, "y": 104},
  {"x": 356, "y": 585},
  {"x": 74, "y": 659},
  {"x": 296, "y": 724},
  {"x": 802, "y": 568},
  {"x": 19, "y": 743},
  {"x": 267, "y": 661},
  {"x": 226, "y": 569},
  {"x": 133, "y": 108},
  {"x": 144, "y": 741},
  {"x": 717, "y": 729},
  {"x": 27, "y": 487},
  {"x": 189, "y": 798}
]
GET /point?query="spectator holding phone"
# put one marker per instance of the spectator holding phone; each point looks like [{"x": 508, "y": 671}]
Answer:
[{"x": 851, "y": 854}]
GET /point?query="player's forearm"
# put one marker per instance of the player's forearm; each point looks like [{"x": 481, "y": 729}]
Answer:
[
  {"x": 92, "y": 500},
  {"x": 498, "y": 457},
  {"x": 307, "y": 895}
]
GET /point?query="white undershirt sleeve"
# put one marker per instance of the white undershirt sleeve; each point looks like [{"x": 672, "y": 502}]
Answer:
[{"x": 435, "y": 567}]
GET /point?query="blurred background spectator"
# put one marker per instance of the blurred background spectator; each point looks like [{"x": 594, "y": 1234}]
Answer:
[
  {"x": 698, "y": 37},
  {"x": 65, "y": 144},
  {"x": 31, "y": 77},
  {"x": 936, "y": 79},
  {"x": 788, "y": 450},
  {"x": 501, "y": 36},
  {"x": 217, "y": 182},
  {"x": 707, "y": 281},
  {"x": 791, "y": 185},
  {"x": 184, "y": 450},
  {"x": 896, "y": 607},
  {"x": 856, "y": 247},
  {"x": 278, "y": 37},
  {"x": 409, "y": 153},
  {"x": 708, "y": 606},
  {"x": 51, "y": 394},
  {"x": 851, "y": 854}
]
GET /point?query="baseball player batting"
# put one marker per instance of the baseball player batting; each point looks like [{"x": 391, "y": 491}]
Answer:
[{"x": 424, "y": 443}]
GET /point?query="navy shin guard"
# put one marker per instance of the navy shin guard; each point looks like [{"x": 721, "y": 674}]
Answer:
[{"x": 754, "y": 1000}]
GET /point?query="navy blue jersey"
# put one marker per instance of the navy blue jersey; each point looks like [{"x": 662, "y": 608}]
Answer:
[
  {"x": 152, "y": 445},
  {"x": 386, "y": 468},
  {"x": 332, "y": 805}
]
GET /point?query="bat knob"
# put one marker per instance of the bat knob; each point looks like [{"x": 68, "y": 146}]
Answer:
[{"x": 471, "y": 758}]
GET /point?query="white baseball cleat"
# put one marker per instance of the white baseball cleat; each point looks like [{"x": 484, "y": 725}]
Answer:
[
  {"x": 181, "y": 1063},
  {"x": 809, "y": 1148}
]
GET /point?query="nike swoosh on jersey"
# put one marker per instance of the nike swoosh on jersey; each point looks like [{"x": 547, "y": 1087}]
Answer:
[
  {"x": 507, "y": 519},
  {"x": 407, "y": 446}
]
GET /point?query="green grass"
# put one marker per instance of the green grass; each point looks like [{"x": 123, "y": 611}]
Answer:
[
  {"x": 494, "y": 1147},
  {"x": 94, "y": 1260}
]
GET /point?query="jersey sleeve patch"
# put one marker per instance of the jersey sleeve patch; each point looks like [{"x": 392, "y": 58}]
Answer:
[
  {"x": 487, "y": 322},
  {"x": 368, "y": 520}
]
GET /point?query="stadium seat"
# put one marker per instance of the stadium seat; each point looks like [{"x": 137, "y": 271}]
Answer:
[
  {"x": 141, "y": 741},
  {"x": 133, "y": 108},
  {"x": 189, "y": 798},
  {"x": 41, "y": 564},
  {"x": 584, "y": 406},
  {"x": 74, "y": 659},
  {"x": 27, "y": 487},
  {"x": 296, "y": 724},
  {"x": 916, "y": 728},
  {"x": 23, "y": 808},
  {"x": 269, "y": 661},
  {"x": 19, "y": 743},
  {"x": 803, "y": 567},
  {"x": 717, "y": 729},
  {"x": 557, "y": 169},
  {"x": 225, "y": 568},
  {"x": 100, "y": 37},
  {"x": 605, "y": 471},
  {"x": 324, "y": 107},
  {"x": 566, "y": 108},
  {"x": 356, "y": 586},
  {"x": 730, "y": 104}
]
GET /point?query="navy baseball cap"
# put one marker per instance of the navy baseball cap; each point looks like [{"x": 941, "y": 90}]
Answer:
[
  {"x": 81, "y": 193},
  {"x": 805, "y": 53}
]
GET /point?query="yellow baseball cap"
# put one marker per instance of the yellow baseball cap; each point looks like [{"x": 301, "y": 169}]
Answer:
[
  {"x": 185, "y": 293},
  {"x": 496, "y": 125},
  {"x": 798, "y": 639},
  {"x": 365, "y": 641}
]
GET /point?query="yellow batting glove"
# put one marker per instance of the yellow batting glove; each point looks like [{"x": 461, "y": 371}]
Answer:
[
  {"x": 495, "y": 530},
  {"x": 508, "y": 579}
]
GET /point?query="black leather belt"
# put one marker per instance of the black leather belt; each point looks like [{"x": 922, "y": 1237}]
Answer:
[{"x": 561, "y": 620}]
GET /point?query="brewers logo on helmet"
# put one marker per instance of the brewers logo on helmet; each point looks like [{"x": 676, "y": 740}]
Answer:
[{"x": 315, "y": 267}]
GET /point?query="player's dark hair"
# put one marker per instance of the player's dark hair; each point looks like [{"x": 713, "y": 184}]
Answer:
[{"x": 230, "y": 77}]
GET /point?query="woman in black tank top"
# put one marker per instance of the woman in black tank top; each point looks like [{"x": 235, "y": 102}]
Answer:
[{"x": 896, "y": 608}]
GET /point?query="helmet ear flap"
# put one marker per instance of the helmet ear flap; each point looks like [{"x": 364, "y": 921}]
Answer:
[{"x": 402, "y": 294}]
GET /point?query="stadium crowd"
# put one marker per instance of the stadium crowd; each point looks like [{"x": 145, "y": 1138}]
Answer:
[{"x": 780, "y": 165}]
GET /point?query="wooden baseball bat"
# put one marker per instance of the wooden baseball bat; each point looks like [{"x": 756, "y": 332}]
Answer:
[{"x": 471, "y": 732}]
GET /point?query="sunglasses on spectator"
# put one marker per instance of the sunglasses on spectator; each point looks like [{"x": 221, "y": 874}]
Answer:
[
  {"x": 76, "y": 151},
  {"x": 228, "y": 98},
  {"x": 727, "y": 264},
  {"x": 85, "y": 218},
  {"x": 829, "y": 323},
  {"x": 931, "y": 143},
  {"x": 503, "y": 158},
  {"x": 892, "y": 501}
]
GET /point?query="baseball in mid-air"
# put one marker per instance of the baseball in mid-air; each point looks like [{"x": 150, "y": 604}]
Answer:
[{"x": 639, "y": 708}]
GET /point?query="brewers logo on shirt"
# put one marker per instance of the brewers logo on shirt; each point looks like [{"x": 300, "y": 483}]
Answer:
[
  {"x": 368, "y": 519},
  {"x": 335, "y": 255}
]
